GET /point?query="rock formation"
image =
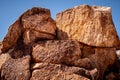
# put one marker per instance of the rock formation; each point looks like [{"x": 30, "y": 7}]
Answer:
[
  {"x": 91, "y": 25},
  {"x": 80, "y": 45}
]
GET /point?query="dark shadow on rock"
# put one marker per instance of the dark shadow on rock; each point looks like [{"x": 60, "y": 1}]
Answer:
[
  {"x": 59, "y": 33},
  {"x": 20, "y": 49}
]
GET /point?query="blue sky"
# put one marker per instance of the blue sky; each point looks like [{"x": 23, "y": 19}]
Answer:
[{"x": 10, "y": 10}]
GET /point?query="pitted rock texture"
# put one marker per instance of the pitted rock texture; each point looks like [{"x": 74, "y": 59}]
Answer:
[
  {"x": 87, "y": 50},
  {"x": 72, "y": 53},
  {"x": 60, "y": 52},
  {"x": 16, "y": 69},
  {"x": 50, "y": 71},
  {"x": 38, "y": 24},
  {"x": 33, "y": 25},
  {"x": 3, "y": 59},
  {"x": 91, "y": 25}
]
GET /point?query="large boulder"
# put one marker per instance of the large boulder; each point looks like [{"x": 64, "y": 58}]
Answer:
[
  {"x": 16, "y": 69},
  {"x": 48, "y": 71},
  {"x": 59, "y": 52},
  {"x": 89, "y": 53},
  {"x": 33, "y": 25},
  {"x": 72, "y": 53},
  {"x": 100, "y": 58},
  {"x": 38, "y": 24},
  {"x": 91, "y": 25}
]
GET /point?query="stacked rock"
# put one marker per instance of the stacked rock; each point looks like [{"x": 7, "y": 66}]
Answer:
[
  {"x": 80, "y": 45},
  {"x": 93, "y": 27}
]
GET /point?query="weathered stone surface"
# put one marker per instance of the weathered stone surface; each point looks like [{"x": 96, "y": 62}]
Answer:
[
  {"x": 3, "y": 58},
  {"x": 16, "y": 69},
  {"x": 33, "y": 25},
  {"x": 14, "y": 32},
  {"x": 60, "y": 52},
  {"x": 89, "y": 53},
  {"x": 38, "y": 24},
  {"x": 48, "y": 71},
  {"x": 101, "y": 58},
  {"x": 91, "y": 25},
  {"x": 32, "y": 36}
]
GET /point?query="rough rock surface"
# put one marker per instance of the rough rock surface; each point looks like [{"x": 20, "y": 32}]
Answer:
[
  {"x": 3, "y": 59},
  {"x": 89, "y": 53},
  {"x": 71, "y": 53},
  {"x": 34, "y": 24},
  {"x": 16, "y": 69},
  {"x": 38, "y": 24},
  {"x": 103, "y": 59},
  {"x": 59, "y": 52},
  {"x": 91, "y": 25},
  {"x": 50, "y": 71}
]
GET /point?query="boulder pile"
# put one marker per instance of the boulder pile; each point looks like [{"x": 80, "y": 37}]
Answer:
[{"x": 80, "y": 44}]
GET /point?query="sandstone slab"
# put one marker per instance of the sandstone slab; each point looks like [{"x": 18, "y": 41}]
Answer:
[
  {"x": 91, "y": 25},
  {"x": 16, "y": 69},
  {"x": 32, "y": 25},
  {"x": 48, "y": 71},
  {"x": 59, "y": 52},
  {"x": 38, "y": 24}
]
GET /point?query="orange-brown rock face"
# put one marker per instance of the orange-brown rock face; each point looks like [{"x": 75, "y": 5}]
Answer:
[
  {"x": 32, "y": 50},
  {"x": 16, "y": 69},
  {"x": 34, "y": 24},
  {"x": 91, "y": 25},
  {"x": 38, "y": 24}
]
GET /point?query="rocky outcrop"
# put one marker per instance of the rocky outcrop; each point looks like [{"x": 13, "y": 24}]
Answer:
[
  {"x": 91, "y": 25},
  {"x": 58, "y": 72},
  {"x": 60, "y": 52},
  {"x": 38, "y": 24},
  {"x": 81, "y": 47},
  {"x": 16, "y": 69},
  {"x": 32, "y": 25}
]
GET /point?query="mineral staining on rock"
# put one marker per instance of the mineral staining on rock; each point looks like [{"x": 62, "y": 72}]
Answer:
[{"x": 91, "y": 25}]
